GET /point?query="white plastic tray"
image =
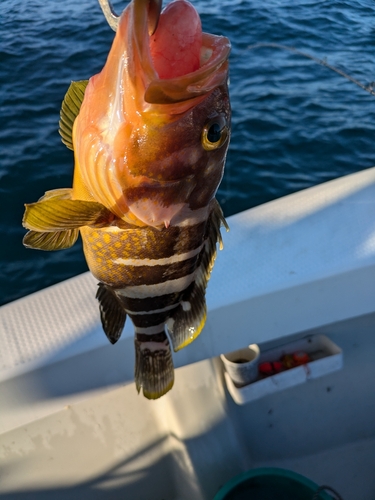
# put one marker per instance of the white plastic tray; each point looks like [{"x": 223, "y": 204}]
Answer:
[{"x": 326, "y": 355}]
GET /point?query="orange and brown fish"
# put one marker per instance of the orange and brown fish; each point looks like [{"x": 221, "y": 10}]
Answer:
[{"x": 150, "y": 135}]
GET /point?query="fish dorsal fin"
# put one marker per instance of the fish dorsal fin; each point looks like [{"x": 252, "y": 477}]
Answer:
[
  {"x": 112, "y": 314},
  {"x": 70, "y": 109},
  {"x": 190, "y": 316}
]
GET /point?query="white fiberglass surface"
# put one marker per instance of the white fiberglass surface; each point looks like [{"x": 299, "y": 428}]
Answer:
[{"x": 116, "y": 444}]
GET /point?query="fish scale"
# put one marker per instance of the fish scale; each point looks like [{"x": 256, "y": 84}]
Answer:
[{"x": 138, "y": 244}]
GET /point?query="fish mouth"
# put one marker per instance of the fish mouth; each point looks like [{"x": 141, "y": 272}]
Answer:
[{"x": 137, "y": 24}]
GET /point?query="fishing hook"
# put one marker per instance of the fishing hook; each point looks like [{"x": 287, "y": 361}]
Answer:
[
  {"x": 154, "y": 10},
  {"x": 109, "y": 14}
]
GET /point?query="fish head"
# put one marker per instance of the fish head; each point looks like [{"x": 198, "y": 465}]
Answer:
[{"x": 152, "y": 134}]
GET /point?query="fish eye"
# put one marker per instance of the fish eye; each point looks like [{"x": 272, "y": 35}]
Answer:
[{"x": 215, "y": 133}]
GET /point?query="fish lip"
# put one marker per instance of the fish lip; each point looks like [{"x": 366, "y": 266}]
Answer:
[
  {"x": 197, "y": 83},
  {"x": 211, "y": 74}
]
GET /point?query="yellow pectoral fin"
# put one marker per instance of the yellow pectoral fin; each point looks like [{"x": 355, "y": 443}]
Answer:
[
  {"x": 58, "y": 240},
  {"x": 57, "y": 214},
  {"x": 62, "y": 194},
  {"x": 69, "y": 111}
]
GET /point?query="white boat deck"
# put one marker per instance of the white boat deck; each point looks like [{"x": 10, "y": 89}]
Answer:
[
  {"x": 114, "y": 444},
  {"x": 71, "y": 423}
]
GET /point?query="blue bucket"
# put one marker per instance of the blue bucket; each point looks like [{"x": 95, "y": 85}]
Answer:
[{"x": 270, "y": 483}]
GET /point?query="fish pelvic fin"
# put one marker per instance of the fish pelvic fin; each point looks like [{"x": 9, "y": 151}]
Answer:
[
  {"x": 54, "y": 220},
  {"x": 190, "y": 317},
  {"x": 112, "y": 313},
  {"x": 58, "y": 240},
  {"x": 154, "y": 371},
  {"x": 70, "y": 108}
]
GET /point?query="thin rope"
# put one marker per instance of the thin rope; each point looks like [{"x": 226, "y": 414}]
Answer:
[{"x": 369, "y": 88}]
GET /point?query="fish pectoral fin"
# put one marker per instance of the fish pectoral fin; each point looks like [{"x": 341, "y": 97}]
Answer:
[
  {"x": 69, "y": 111},
  {"x": 189, "y": 319},
  {"x": 61, "y": 194},
  {"x": 57, "y": 240},
  {"x": 154, "y": 371},
  {"x": 112, "y": 314},
  {"x": 55, "y": 213}
]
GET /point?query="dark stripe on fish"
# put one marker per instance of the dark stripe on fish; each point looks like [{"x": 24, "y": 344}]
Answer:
[
  {"x": 146, "y": 320},
  {"x": 155, "y": 337},
  {"x": 154, "y": 274},
  {"x": 149, "y": 303}
]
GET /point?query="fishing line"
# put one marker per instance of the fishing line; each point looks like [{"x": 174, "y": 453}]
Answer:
[{"x": 369, "y": 88}]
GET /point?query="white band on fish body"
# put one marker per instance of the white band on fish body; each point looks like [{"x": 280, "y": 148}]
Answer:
[
  {"x": 154, "y": 311},
  {"x": 159, "y": 262},
  {"x": 150, "y": 330},
  {"x": 171, "y": 286}
]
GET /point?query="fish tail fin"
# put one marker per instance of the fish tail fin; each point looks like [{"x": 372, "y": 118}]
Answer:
[{"x": 154, "y": 371}]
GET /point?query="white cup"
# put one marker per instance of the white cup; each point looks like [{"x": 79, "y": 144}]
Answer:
[{"x": 242, "y": 365}]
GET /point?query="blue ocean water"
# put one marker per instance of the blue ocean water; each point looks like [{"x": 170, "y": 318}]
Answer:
[{"x": 295, "y": 123}]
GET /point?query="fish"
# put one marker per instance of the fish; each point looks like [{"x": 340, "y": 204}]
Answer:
[{"x": 150, "y": 135}]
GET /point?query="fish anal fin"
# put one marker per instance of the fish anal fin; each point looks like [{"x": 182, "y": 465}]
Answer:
[
  {"x": 58, "y": 240},
  {"x": 154, "y": 371},
  {"x": 70, "y": 108},
  {"x": 112, "y": 314},
  {"x": 189, "y": 319}
]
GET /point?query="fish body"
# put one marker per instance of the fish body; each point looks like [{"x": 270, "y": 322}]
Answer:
[{"x": 150, "y": 135}]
